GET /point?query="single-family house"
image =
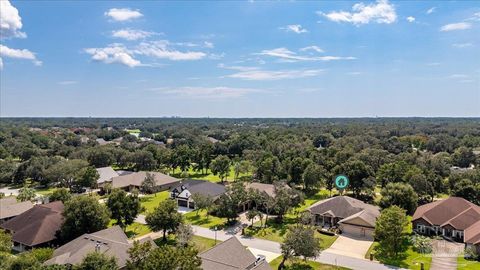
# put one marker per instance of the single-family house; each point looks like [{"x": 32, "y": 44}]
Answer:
[
  {"x": 35, "y": 227},
  {"x": 184, "y": 190},
  {"x": 106, "y": 174},
  {"x": 454, "y": 218},
  {"x": 10, "y": 208},
  {"x": 135, "y": 180},
  {"x": 232, "y": 255},
  {"x": 112, "y": 242},
  {"x": 352, "y": 216}
]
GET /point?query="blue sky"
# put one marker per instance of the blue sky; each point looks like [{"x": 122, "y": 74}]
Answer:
[{"x": 240, "y": 59}]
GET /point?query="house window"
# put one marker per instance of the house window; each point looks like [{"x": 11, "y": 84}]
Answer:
[{"x": 421, "y": 228}]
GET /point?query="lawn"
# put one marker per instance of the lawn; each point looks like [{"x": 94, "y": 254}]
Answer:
[
  {"x": 208, "y": 175},
  {"x": 45, "y": 191},
  {"x": 134, "y": 229},
  {"x": 149, "y": 202},
  {"x": 202, "y": 243},
  {"x": 463, "y": 264},
  {"x": 411, "y": 260},
  {"x": 203, "y": 220},
  {"x": 276, "y": 231},
  {"x": 302, "y": 265}
]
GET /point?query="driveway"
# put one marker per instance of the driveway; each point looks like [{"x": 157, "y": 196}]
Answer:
[
  {"x": 445, "y": 255},
  {"x": 350, "y": 246}
]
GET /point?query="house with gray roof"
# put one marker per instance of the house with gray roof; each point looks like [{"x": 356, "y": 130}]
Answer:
[
  {"x": 232, "y": 255},
  {"x": 10, "y": 208},
  {"x": 184, "y": 190},
  {"x": 106, "y": 174},
  {"x": 352, "y": 216},
  {"x": 134, "y": 181},
  {"x": 112, "y": 242}
]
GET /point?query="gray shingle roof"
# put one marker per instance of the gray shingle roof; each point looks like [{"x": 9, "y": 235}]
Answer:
[
  {"x": 10, "y": 207},
  {"x": 112, "y": 242},
  {"x": 136, "y": 179},
  {"x": 203, "y": 187},
  {"x": 106, "y": 174},
  {"x": 342, "y": 207},
  {"x": 231, "y": 255}
]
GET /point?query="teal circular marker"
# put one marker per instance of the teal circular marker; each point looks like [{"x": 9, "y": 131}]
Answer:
[{"x": 341, "y": 181}]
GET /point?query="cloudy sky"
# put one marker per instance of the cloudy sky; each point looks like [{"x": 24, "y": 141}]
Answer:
[{"x": 240, "y": 59}]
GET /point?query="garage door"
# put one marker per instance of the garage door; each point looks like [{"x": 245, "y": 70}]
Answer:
[
  {"x": 182, "y": 203},
  {"x": 356, "y": 231}
]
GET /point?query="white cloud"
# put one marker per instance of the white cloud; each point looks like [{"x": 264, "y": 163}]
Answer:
[
  {"x": 160, "y": 49},
  {"x": 410, "y": 19},
  {"x": 216, "y": 56},
  {"x": 220, "y": 92},
  {"x": 67, "y": 82},
  {"x": 431, "y": 10},
  {"x": 455, "y": 26},
  {"x": 114, "y": 53},
  {"x": 287, "y": 55},
  {"x": 462, "y": 45},
  {"x": 123, "y": 14},
  {"x": 270, "y": 75},
  {"x": 131, "y": 34},
  {"x": 18, "y": 54},
  {"x": 208, "y": 44},
  {"x": 296, "y": 28},
  {"x": 458, "y": 76},
  {"x": 10, "y": 21},
  {"x": 312, "y": 48},
  {"x": 354, "y": 73},
  {"x": 380, "y": 12}
]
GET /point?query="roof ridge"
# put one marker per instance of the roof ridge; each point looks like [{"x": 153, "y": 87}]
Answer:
[{"x": 448, "y": 221}]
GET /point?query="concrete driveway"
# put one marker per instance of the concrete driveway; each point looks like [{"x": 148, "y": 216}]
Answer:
[
  {"x": 445, "y": 254},
  {"x": 350, "y": 246}
]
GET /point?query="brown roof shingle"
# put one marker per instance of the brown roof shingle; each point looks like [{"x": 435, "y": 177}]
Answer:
[
  {"x": 36, "y": 226},
  {"x": 342, "y": 207}
]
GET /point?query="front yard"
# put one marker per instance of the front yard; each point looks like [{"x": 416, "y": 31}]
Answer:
[
  {"x": 149, "y": 202},
  {"x": 463, "y": 264},
  {"x": 205, "y": 221},
  {"x": 411, "y": 260}
]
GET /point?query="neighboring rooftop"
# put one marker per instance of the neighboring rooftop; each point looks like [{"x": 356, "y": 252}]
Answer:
[
  {"x": 269, "y": 189},
  {"x": 111, "y": 242},
  {"x": 136, "y": 179},
  {"x": 10, "y": 207},
  {"x": 37, "y": 225},
  {"x": 203, "y": 187},
  {"x": 106, "y": 174},
  {"x": 455, "y": 211},
  {"x": 231, "y": 255}
]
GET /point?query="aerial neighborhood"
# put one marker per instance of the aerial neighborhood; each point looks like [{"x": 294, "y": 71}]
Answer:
[{"x": 228, "y": 204}]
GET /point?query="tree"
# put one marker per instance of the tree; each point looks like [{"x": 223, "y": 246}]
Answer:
[
  {"x": 227, "y": 207},
  {"x": 168, "y": 257},
  {"x": 124, "y": 207},
  {"x": 181, "y": 157},
  {"x": 184, "y": 234},
  {"x": 359, "y": 175},
  {"x": 202, "y": 202},
  {"x": 67, "y": 172},
  {"x": 300, "y": 241},
  {"x": 83, "y": 214},
  {"x": 399, "y": 194},
  {"x": 463, "y": 157},
  {"x": 6, "y": 243},
  {"x": 61, "y": 194},
  {"x": 466, "y": 189},
  {"x": 220, "y": 166},
  {"x": 165, "y": 217},
  {"x": 97, "y": 261},
  {"x": 138, "y": 254},
  {"x": 313, "y": 176},
  {"x": 251, "y": 215},
  {"x": 88, "y": 177},
  {"x": 149, "y": 184},
  {"x": 26, "y": 194},
  {"x": 7, "y": 170},
  {"x": 285, "y": 199},
  {"x": 391, "y": 233}
]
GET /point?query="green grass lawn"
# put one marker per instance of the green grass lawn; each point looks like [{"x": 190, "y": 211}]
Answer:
[
  {"x": 202, "y": 220},
  {"x": 411, "y": 260},
  {"x": 208, "y": 175},
  {"x": 202, "y": 243},
  {"x": 463, "y": 264},
  {"x": 149, "y": 202},
  {"x": 276, "y": 231},
  {"x": 45, "y": 191},
  {"x": 298, "y": 264},
  {"x": 134, "y": 229}
]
